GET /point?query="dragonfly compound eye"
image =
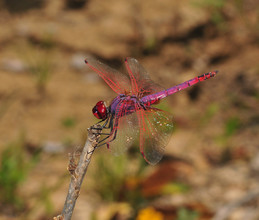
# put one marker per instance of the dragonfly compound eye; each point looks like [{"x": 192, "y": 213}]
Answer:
[{"x": 100, "y": 110}]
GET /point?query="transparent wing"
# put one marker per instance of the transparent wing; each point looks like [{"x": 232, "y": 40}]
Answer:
[
  {"x": 141, "y": 82},
  {"x": 125, "y": 129},
  {"x": 119, "y": 82},
  {"x": 155, "y": 131}
]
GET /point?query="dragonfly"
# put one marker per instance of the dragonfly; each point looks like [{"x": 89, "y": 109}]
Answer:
[{"x": 132, "y": 115}]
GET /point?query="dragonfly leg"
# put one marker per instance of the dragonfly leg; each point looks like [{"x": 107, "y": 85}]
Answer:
[
  {"x": 101, "y": 144},
  {"x": 107, "y": 143},
  {"x": 105, "y": 123},
  {"x": 103, "y": 126},
  {"x": 113, "y": 134},
  {"x": 100, "y": 121},
  {"x": 114, "y": 137},
  {"x": 105, "y": 138}
]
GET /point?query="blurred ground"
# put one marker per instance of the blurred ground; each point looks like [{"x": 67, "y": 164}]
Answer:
[{"x": 211, "y": 166}]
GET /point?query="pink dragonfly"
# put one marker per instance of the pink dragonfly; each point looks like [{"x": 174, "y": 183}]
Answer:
[{"x": 132, "y": 114}]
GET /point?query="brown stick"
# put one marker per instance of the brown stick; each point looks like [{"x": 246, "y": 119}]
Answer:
[{"x": 78, "y": 172}]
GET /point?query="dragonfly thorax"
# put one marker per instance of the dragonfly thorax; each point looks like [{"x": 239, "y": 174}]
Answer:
[{"x": 100, "y": 110}]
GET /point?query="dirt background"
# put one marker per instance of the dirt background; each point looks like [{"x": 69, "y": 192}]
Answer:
[{"x": 210, "y": 170}]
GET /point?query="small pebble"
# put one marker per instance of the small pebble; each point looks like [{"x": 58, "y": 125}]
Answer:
[
  {"x": 52, "y": 147},
  {"x": 13, "y": 65}
]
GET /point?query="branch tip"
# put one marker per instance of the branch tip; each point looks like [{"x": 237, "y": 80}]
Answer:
[{"x": 78, "y": 168}]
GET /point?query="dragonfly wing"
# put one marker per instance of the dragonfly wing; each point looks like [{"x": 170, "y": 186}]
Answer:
[
  {"x": 119, "y": 82},
  {"x": 140, "y": 79},
  {"x": 125, "y": 130},
  {"x": 155, "y": 131}
]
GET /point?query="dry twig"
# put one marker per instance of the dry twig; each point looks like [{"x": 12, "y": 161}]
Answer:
[{"x": 78, "y": 171}]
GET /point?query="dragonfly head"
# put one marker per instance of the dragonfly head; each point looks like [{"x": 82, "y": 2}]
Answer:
[{"x": 100, "y": 110}]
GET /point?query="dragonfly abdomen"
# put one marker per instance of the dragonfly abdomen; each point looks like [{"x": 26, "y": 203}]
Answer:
[
  {"x": 154, "y": 98},
  {"x": 191, "y": 82}
]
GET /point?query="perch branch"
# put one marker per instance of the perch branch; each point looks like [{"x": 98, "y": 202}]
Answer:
[{"x": 78, "y": 172}]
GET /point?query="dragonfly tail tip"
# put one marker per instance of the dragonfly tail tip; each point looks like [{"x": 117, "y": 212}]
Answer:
[
  {"x": 214, "y": 73},
  {"x": 86, "y": 61}
]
